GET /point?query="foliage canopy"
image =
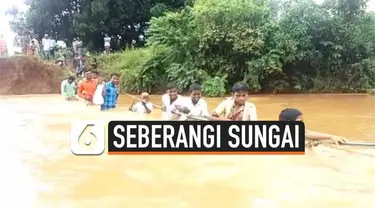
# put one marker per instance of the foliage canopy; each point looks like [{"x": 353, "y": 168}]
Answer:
[{"x": 273, "y": 45}]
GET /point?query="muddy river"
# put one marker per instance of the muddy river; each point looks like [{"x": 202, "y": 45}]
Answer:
[{"x": 39, "y": 170}]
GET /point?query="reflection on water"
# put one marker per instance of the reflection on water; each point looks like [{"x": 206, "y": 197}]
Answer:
[{"x": 40, "y": 171}]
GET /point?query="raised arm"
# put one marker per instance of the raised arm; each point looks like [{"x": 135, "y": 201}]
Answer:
[{"x": 148, "y": 110}]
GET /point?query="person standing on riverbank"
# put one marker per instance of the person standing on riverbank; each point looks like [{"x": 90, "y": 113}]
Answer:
[
  {"x": 237, "y": 108},
  {"x": 77, "y": 65},
  {"x": 31, "y": 48},
  {"x": 46, "y": 42},
  {"x": 292, "y": 114},
  {"x": 107, "y": 44},
  {"x": 110, "y": 93},
  {"x": 83, "y": 62},
  {"x": 3, "y": 46},
  {"x": 79, "y": 46},
  {"x": 52, "y": 49},
  {"x": 36, "y": 46},
  {"x": 68, "y": 88},
  {"x": 74, "y": 46}
]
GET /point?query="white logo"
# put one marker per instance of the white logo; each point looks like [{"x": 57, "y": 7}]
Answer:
[{"x": 87, "y": 131}]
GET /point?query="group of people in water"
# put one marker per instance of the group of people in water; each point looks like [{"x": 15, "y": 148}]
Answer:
[
  {"x": 178, "y": 107},
  {"x": 91, "y": 86}
]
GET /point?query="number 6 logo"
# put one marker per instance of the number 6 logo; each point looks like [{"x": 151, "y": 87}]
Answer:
[{"x": 97, "y": 133}]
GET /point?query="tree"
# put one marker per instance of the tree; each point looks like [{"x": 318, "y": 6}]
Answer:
[
  {"x": 89, "y": 19},
  {"x": 296, "y": 45}
]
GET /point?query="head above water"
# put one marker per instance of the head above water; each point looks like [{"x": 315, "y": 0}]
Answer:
[
  {"x": 172, "y": 90},
  {"x": 145, "y": 97},
  {"x": 88, "y": 75},
  {"x": 290, "y": 114},
  {"x": 195, "y": 92},
  {"x": 115, "y": 78},
  {"x": 240, "y": 93},
  {"x": 71, "y": 79}
]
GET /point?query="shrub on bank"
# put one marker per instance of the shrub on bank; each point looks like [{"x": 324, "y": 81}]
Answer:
[
  {"x": 298, "y": 46},
  {"x": 128, "y": 64}
]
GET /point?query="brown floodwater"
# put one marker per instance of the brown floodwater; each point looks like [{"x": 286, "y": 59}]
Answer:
[{"x": 39, "y": 169}]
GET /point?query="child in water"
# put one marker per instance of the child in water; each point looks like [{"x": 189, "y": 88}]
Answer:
[
  {"x": 193, "y": 105},
  {"x": 236, "y": 108},
  {"x": 145, "y": 106},
  {"x": 292, "y": 114},
  {"x": 169, "y": 100}
]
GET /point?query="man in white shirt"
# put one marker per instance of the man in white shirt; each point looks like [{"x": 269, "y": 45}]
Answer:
[
  {"x": 193, "y": 105},
  {"x": 74, "y": 45},
  {"x": 46, "y": 42},
  {"x": 145, "y": 106},
  {"x": 79, "y": 45},
  {"x": 169, "y": 100},
  {"x": 52, "y": 47},
  {"x": 107, "y": 43},
  {"x": 61, "y": 44}
]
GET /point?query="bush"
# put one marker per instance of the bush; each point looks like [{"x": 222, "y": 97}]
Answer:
[
  {"x": 129, "y": 64},
  {"x": 294, "y": 46}
]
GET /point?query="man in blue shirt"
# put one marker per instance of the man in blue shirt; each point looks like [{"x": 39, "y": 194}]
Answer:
[{"x": 110, "y": 93}]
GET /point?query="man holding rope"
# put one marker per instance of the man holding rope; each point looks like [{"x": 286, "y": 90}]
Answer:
[
  {"x": 144, "y": 106},
  {"x": 192, "y": 106},
  {"x": 68, "y": 88},
  {"x": 169, "y": 100},
  {"x": 236, "y": 108},
  {"x": 291, "y": 114}
]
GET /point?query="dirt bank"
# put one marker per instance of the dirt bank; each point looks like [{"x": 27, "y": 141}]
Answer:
[{"x": 27, "y": 75}]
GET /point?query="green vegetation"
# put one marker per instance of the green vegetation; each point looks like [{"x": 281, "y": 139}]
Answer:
[{"x": 274, "y": 46}]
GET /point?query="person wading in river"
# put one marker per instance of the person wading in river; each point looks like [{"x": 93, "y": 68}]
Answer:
[
  {"x": 292, "y": 114},
  {"x": 192, "y": 106},
  {"x": 110, "y": 93},
  {"x": 68, "y": 88},
  {"x": 87, "y": 87},
  {"x": 237, "y": 108},
  {"x": 169, "y": 100},
  {"x": 145, "y": 106},
  {"x": 97, "y": 78}
]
